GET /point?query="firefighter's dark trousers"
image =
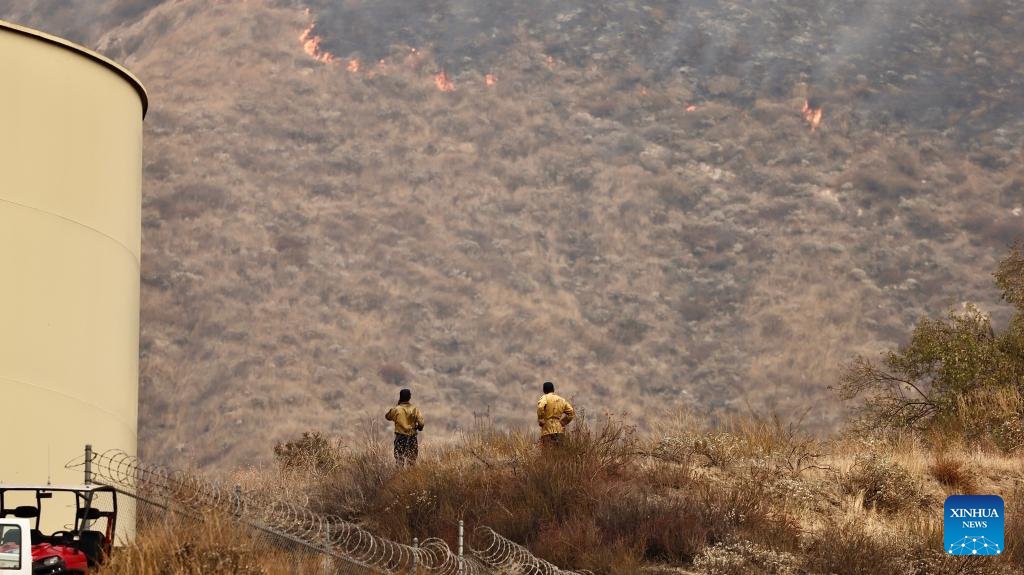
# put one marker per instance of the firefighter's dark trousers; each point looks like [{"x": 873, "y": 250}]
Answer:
[
  {"x": 551, "y": 439},
  {"x": 406, "y": 449}
]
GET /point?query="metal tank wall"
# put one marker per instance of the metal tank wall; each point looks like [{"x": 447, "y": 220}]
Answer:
[{"x": 70, "y": 235}]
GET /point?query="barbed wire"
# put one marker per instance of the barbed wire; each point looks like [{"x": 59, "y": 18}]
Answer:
[
  {"x": 438, "y": 558},
  {"x": 499, "y": 552},
  {"x": 332, "y": 535}
]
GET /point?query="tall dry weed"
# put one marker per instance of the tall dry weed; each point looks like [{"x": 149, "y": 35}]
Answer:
[
  {"x": 211, "y": 545},
  {"x": 606, "y": 500},
  {"x": 954, "y": 474}
]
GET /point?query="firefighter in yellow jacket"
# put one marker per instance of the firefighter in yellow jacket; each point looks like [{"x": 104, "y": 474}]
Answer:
[
  {"x": 408, "y": 421},
  {"x": 553, "y": 414}
]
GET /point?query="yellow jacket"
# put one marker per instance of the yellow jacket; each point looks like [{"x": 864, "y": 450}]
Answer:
[
  {"x": 407, "y": 418},
  {"x": 550, "y": 411}
]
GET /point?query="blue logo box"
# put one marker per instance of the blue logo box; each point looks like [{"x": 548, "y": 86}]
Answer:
[{"x": 973, "y": 525}]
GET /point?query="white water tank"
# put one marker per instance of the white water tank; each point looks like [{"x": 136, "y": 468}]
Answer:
[{"x": 70, "y": 242}]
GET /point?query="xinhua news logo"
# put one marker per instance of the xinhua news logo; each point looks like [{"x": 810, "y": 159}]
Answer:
[{"x": 974, "y": 525}]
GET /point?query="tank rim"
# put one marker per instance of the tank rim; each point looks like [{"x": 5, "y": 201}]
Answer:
[{"x": 82, "y": 51}]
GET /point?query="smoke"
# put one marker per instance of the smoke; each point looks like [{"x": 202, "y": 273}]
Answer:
[
  {"x": 461, "y": 34},
  {"x": 911, "y": 59},
  {"x": 922, "y": 61},
  {"x": 81, "y": 21}
]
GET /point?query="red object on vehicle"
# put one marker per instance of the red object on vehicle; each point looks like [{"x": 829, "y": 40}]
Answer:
[
  {"x": 74, "y": 560},
  {"x": 85, "y": 540}
]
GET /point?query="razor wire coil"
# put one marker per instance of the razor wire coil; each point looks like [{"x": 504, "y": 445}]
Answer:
[{"x": 328, "y": 534}]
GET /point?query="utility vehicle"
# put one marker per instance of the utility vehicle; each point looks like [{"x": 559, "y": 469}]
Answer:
[{"x": 85, "y": 517}]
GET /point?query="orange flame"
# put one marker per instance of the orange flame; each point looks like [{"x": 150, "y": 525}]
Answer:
[
  {"x": 311, "y": 45},
  {"x": 443, "y": 83},
  {"x": 490, "y": 79},
  {"x": 812, "y": 115},
  {"x": 353, "y": 65}
]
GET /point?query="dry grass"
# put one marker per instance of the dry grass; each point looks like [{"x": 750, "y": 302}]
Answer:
[
  {"x": 213, "y": 546},
  {"x": 954, "y": 474},
  {"x": 770, "y": 501}
]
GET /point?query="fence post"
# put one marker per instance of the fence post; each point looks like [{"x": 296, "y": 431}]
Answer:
[
  {"x": 167, "y": 506},
  {"x": 461, "y": 547},
  {"x": 415, "y": 555},
  {"x": 88, "y": 464},
  {"x": 328, "y": 562}
]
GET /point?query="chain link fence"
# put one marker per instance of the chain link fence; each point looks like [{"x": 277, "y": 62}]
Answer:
[{"x": 157, "y": 497}]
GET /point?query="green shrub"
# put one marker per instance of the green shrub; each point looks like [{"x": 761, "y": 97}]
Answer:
[{"x": 946, "y": 377}]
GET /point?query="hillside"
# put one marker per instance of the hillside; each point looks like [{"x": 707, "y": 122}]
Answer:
[
  {"x": 635, "y": 207},
  {"x": 753, "y": 497}
]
